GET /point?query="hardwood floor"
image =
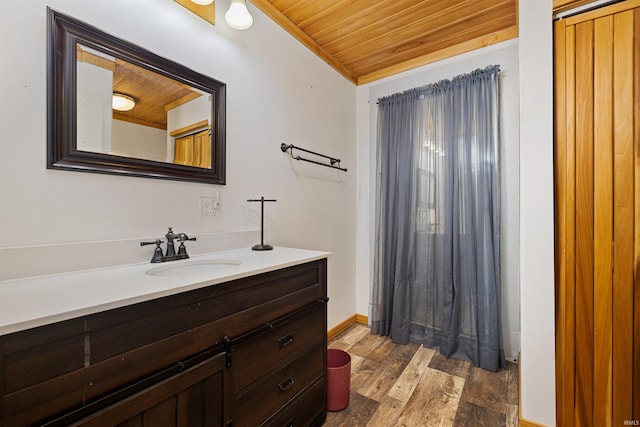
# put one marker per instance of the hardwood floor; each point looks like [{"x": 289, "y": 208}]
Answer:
[{"x": 413, "y": 386}]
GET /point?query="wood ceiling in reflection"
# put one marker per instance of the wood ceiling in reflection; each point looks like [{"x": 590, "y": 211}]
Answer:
[
  {"x": 366, "y": 40},
  {"x": 155, "y": 94}
]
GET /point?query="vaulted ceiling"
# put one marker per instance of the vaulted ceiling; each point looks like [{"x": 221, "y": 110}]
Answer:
[{"x": 366, "y": 40}]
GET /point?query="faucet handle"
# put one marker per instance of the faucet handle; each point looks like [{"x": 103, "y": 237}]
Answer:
[
  {"x": 183, "y": 237},
  {"x": 156, "y": 242},
  {"x": 157, "y": 252},
  {"x": 182, "y": 250}
]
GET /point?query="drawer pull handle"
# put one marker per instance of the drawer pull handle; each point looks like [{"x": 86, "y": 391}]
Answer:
[
  {"x": 286, "y": 384},
  {"x": 286, "y": 340}
]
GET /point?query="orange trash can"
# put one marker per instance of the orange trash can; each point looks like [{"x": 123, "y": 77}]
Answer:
[{"x": 338, "y": 379}]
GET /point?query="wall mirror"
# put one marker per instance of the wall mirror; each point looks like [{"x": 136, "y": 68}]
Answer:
[{"x": 116, "y": 108}]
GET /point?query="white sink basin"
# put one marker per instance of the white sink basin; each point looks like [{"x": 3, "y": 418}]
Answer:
[{"x": 192, "y": 267}]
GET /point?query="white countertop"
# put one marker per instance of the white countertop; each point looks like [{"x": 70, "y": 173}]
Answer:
[{"x": 35, "y": 301}]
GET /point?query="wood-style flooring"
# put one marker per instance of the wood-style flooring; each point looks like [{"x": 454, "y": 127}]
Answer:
[{"x": 413, "y": 386}]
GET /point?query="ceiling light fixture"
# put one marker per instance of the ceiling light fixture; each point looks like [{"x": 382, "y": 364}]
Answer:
[
  {"x": 202, "y": 2},
  {"x": 122, "y": 102},
  {"x": 238, "y": 15}
]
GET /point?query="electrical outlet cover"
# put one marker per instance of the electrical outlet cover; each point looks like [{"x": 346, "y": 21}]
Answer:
[{"x": 207, "y": 207}]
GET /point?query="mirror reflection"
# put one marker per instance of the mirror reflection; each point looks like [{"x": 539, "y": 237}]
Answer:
[
  {"x": 116, "y": 108},
  {"x": 125, "y": 110}
]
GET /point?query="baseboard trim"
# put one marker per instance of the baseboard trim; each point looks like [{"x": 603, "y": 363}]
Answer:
[
  {"x": 526, "y": 423},
  {"x": 361, "y": 318},
  {"x": 346, "y": 324}
]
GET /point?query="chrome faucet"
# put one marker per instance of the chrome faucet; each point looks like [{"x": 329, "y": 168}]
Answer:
[{"x": 170, "y": 254}]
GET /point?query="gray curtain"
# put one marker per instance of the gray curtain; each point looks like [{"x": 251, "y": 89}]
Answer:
[{"x": 437, "y": 253}]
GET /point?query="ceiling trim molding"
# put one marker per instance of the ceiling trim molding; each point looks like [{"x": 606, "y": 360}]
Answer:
[{"x": 468, "y": 46}]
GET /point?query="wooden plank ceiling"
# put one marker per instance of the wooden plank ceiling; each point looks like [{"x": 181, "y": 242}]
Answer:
[{"x": 367, "y": 40}]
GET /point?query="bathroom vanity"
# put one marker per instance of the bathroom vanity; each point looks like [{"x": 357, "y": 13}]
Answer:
[{"x": 227, "y": 339}]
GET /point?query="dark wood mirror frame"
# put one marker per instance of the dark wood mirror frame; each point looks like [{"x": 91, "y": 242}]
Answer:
[{"x": 65, "y": 33}]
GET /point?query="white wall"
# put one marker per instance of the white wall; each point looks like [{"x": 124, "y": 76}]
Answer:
[
  {"x": 506, "y": 55},
  {"x": 95, "y": 86},
  {"x": 138, "y": 141},
  {"x": 537, "y": 366},
  {"x": 277, "y": 91}
]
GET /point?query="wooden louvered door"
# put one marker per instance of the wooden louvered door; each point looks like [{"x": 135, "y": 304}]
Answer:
[{"x": 597, "y": 184}]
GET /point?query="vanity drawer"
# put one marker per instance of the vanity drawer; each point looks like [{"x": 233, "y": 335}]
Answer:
[
  {"x": 306, "y": 410},
  {"x": 260, "y": 354},
  {"x": 254, "y": 406}
]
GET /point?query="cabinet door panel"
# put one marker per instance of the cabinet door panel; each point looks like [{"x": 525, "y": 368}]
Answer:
[{"x": 191, "y": 398}]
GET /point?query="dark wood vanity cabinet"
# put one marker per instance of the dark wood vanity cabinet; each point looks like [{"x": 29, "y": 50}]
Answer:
[{"x": 248, "y": 352}]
